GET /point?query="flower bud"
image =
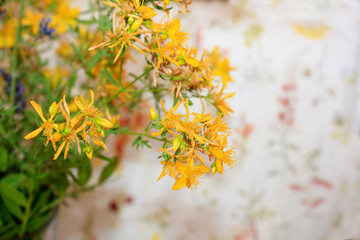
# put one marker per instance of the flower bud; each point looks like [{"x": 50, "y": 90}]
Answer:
[
  {"x": 153, "y": 114},
  {"x": 88, "y": 151},
  {"x": 104, "y": 122},
  {"x": 213, "y": 168},
  {"x": 131, "y": 20},
  {"x": 163, "y": 35},
  {"x": 52, "y": 108},
  {"x": 57, "y": 136},
  {"x": 67, "y": 131},
  {"x": 176, "y": 143},
  {"x": 183, "y": 146},
  {"x": 136, "y": 25},
  {"x": 148, "y": 23},
  {"x": 166, "y": 2},
  {"x": 61, "y": 127}
]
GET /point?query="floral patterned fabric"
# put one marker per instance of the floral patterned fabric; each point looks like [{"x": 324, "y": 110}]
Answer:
[{"x": 295, "y": 128}]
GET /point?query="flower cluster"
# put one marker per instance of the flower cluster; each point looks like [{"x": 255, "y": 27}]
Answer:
[
  {"x": 178, "y": 66},
  {"x": 66, "y": 129},
  {"x": 165, "y": 47},
  {"x": 173, "y": 67},
  {"x": 194, "y": 140}
]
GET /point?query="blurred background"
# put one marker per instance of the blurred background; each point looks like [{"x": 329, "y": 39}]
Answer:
[{"x": 295, "y": 128}]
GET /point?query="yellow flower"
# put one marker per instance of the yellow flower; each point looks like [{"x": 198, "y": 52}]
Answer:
[
  {"x": 146, "y": 12},
  {"x": 48, "y": 125},
  {"x": 190, "y": 128},
  {"x": 169, "y": 169},
  {"x": 33, "y": 19},
  {"x": 222, "y": 70},
  {"x": 7, "y": 34},
  {"x": 69, "y": 134},
  {"x": 191, "y": 176},
  {"x": 65, "y": 50},
  {"x": 87, "y": 121},
  {"x": 222, "y": 156},
  {"x": 221, "y": 104},
  {"x": 64, "y": 17},
  {"x": 121, "y": 37},
  {"x": 177, "y": 37},
  {"x": 89, "y": 111},
  {"x": 91, "y": 115},
  {"x": 56, "y": 75},
  {"x": 189, "y": 56}
]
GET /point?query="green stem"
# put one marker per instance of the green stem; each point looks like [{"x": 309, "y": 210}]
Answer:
[
  {"x": 121, "y": 68},
  {"x": 14, "y": 58},
  {"x": 26, "y": 216},
  {"x": 147, "y": 90},
  {"x": 124, "y": 88},
  {"x": 63, "y": 197},
  {"x": 146, "y": 135}
]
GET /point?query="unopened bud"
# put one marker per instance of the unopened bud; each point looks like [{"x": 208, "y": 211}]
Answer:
[
  {"x": 181, "y": 62},
  {"x": 52, "y": 108},
  {"x": 213, "y": 168},
  {"x": 182, "y": 146},
  {"x": 131, "y": 20},
  {"x": 67, "y": 131},
  {"x": 61, "y": 127},
  {"x": 166, "y": 2},
  {"x": 104, "y": 122},
  {"x": 102, "y": 134},
  {"x": 153, "y": 114},
  {"x": 176, "y": 143},
  {"x": 163, "y": 35},
  {"x": 147, "y": 23},
  {"x": 88, "y": 151},
  {"x": 57, "y": 136},
  {"x": 136, "y": 25}
]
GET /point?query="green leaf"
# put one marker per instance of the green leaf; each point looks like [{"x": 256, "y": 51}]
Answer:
[
  {"x": 14, "y": 180},
  {"x": 3, "y": 159},
  {"x": 84, "y": 173},
  {"x": 41, "y": 200},
  {"x": 139, "y": 142},
  {"x": 37, "y": 222},
  {"x": 61, "y": 184},
  {"x": 94, "y": 60},
  {"x": 111, "y": 79},
  {"x": 2, "y": 129},
  {"x": 5, "y": 215},
  {"x": 107, "y": 172},
  {"x": 13, "y": 208},
  {"x": 111, "y": 160},
  {"x": 71, "y": 81},
  {"x": 29, "y": 184},
  {"x": 88, "y": 22},
  {"x": 104, "y": 23},
  {"x": 10, "y": 193}
]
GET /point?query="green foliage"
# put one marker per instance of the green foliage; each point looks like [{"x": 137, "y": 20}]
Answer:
[{"x": 140, "y": 142}]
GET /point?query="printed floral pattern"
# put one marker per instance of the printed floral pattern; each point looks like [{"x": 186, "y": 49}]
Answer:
[{"x": 295, "y": 130}]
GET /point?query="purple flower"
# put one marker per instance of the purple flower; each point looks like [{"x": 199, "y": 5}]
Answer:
[
  {"x": 19, "y": 91},
  {"x": 45, "y": 30}
]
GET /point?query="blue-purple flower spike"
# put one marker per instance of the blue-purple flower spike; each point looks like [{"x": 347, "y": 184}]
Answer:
[
  {"x": 45, "y": 30},
  {"x": 19, "y": 91}
]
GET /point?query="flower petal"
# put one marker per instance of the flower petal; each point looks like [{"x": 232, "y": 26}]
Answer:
[
  {"x": 180, "y": 183},
  {"x": 59, "y": 150},
  {"x": 34, "y": 133},
  {"x": 38, "y": 109}
]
